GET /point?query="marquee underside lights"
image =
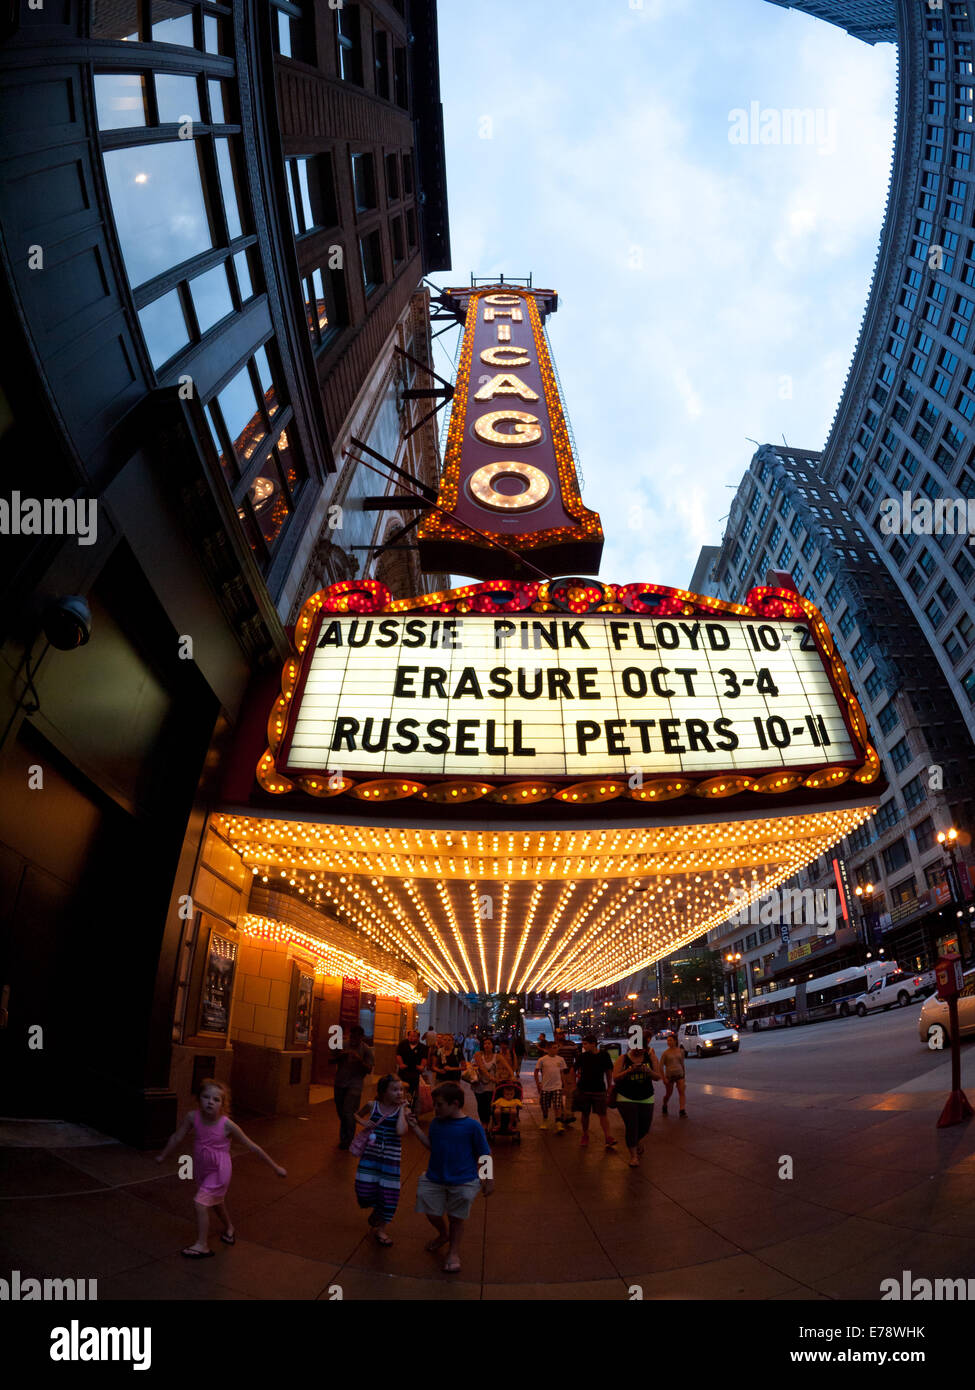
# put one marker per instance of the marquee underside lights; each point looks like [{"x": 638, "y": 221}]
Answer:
[
  {"x": 486, "y": 910},
  {"x": 572, "y": 691},
  {"x": 517, "y": 407}
]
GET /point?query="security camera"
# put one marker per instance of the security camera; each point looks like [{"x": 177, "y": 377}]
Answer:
[{"x": 67, "y": 623}]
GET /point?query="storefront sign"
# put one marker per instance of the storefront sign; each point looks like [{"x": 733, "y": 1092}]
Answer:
[{"x": 509, "y": 478}]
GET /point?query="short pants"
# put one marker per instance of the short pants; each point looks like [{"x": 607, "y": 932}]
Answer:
[
  {"x": 589, "y": 1102},
  {"x": 439, "y": 1199}
]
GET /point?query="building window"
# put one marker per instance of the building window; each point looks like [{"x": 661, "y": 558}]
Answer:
[
  {"x": 401, "y": 85},
  {"x": 847, "y": 622},
  {"x": 348, "y": 33},
  {"x": 370, "y": 251},
  {"x": 287, "y": 30},
  {"x": 887, "y": 815},
  {"x": 381, "y": 50},
  {"x": 364, "y": 182},
  {"x": 935, "y": 613},
  {"x": 860, "y": 653},
  {"x": 326, "y": 306},
  {"x": 888, "y": 717},
  {"x": 913, "y": 793},
  {"x": 311, "y": 191},
  {"x": 392, "y": 177},
  {"x": 399, "y": 240},
  {"x": 900, "y": 755},
  {"x": 895, "y": 856}
]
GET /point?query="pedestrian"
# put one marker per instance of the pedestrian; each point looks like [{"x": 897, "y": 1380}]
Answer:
[
  {"x": 213, "y": 1130},
  {"x": 506, "y": 1055},
  {"x": 490, "y": 1069},
  {"x": 672, "y": 1063},
  {"x": 355, "y": 1062},
  {"x": 447, "y": 1061},
  {"x": 458, "y": 1146},
  {"x": 471, "y": 1045},
  {"x": 549, "y": 1070},
  {"x": 430, "y": 1043},
  {"x": 593, "y": 1070},
  {"x": 377, "y": 1178},
  {"x": 411, "y": 1057},
  {"x": 634, "y": 1075}
]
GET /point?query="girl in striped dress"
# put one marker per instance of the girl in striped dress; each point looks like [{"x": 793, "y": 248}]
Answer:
[{"x": 377, "y": 1176}]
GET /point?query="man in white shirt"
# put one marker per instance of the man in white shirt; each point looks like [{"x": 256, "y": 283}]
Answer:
[{"x": 548, "y": 1079}]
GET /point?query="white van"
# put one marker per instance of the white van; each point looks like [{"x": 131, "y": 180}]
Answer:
[
  {"x": 895, "y": 987},
  {"x": 707, "y": 1037}
]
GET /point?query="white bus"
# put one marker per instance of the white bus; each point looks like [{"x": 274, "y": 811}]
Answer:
[{"x": 809, "y": 1001}]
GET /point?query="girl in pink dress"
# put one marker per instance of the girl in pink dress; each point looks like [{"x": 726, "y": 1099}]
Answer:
[{"x": 212, "y": 1132}]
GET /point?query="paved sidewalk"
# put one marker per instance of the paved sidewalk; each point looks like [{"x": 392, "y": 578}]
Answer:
[{"x": 877, "y": 1189}]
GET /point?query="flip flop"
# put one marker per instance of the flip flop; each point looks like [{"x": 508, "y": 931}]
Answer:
[
  {"x": 229, "y": 1240},
  {"x": 432, "y": 1245},
  {"x": 197, "y": 1254},
  {"x": 382, "y": 1238},
  {"x": 452, "y": 1268}
]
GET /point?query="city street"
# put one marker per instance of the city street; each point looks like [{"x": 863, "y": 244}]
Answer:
[{"x": 875, "y": 1189}]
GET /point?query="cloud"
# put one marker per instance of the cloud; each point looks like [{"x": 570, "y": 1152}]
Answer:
[{"x": 708, "y": 291}]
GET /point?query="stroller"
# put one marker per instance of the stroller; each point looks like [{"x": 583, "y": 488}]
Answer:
[{"x": 504, "y": 1117}]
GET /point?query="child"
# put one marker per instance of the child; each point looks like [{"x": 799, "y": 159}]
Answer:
[
  {"x": 452, "y": 1180},
  {"x": 549, "y": 1068},
  {"x": 212, "y": 1132},
  {"x": 505, "y": 1110},
  {"x": 672, "y": 1062},
  {"x": 377, "y": 1176}
]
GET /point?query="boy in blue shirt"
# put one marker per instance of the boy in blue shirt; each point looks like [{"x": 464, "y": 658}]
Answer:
[{"x": 458, "y": 1147}]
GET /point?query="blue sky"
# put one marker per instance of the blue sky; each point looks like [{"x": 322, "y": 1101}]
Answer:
[{"x": 708, "y": 290}]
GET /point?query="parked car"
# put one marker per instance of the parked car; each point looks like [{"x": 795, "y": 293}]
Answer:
[
  {"x": 896, "y": 987},
  {"x": 933, "y": 1019},
  {"x": 708, "y": 1036}
]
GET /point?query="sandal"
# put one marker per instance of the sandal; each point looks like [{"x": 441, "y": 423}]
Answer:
[
  {"x": 189, "y": 1254},
  {"x": 382, "y": 1238},
  {"x": 229, "y": 1240},
  {"x": 435, "y": 1244},
  {"x": 451, "y": 1267}
]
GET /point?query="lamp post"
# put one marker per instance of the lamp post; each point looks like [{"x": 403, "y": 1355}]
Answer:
[
  {"x": 864, "y": 892},
  {"x": 734, "y": 960},
  {"x": 948, "y": 839}
]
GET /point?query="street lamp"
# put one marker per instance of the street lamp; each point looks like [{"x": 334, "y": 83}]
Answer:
[
  {"x": 947, "y": 839},
  {"x": 734, "y": 959},
  {"x": 864, "y": 892}
]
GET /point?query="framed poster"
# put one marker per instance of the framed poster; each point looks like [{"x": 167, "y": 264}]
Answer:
[
  {"x": 300, "y": 1007},
  {"x": 217, "y": 985}
]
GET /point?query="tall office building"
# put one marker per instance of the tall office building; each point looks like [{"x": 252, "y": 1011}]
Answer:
[
  {"x": 215, "y": 221},
  {"x": 874, "y": 21},
  {"x": 905, "y": 425},
  {"x": 784, "y": 518}
]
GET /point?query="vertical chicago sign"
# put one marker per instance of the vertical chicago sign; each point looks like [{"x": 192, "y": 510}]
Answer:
[{"x": 509, "y": 477}]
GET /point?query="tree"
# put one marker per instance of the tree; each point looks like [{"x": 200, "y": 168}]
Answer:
[{"x": 694, "y": 979}]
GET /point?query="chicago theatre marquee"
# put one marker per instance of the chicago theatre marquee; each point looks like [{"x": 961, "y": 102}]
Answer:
[{"x": 533, "y": 780}]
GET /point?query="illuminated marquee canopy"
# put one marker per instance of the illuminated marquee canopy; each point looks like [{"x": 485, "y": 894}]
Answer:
[{"x": 678, "y": 700}]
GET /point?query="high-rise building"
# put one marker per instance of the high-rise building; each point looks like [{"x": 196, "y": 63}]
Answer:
[
  {"x": 874, "y": 21},
  {"x": 903, "y": 439},
  {"x": 216, "y": 219},
  {"x": 785, "y": 519}
]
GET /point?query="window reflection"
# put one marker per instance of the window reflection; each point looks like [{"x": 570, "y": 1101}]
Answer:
[
  {"x": 164, "y": 327},
  {"x": 177, "y": 98},
  {"x": 243, "y": 275},
  {"x": 267, "y": 381},
  {"x": 228, "y": 185},
  {"x": 211, "y": 297},
  {"x": 172, "y": 23},
  {"x": 242, "y": 416},
  {"x": 212, "y": 35},
  {"x": 160, "y": 212},
  {"x": 116, "y": 19},
  {"x": 120, "y": 100},
  {"x": 217, "y": 114}
]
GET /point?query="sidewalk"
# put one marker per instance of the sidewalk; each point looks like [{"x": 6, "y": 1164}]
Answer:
[{"x": 877, "y": 1189}]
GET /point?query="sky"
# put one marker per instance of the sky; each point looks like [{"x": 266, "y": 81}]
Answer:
[{"x": 711, "y": 285}]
